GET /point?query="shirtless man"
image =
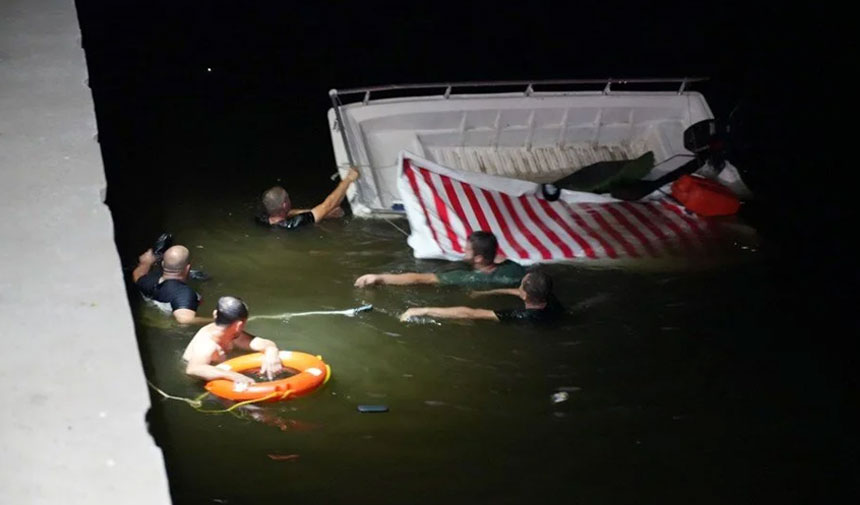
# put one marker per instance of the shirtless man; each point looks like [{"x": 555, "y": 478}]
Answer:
[{"x": 214, "y": 341}]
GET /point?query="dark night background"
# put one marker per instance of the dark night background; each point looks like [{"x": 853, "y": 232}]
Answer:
[
  {"x": 272, "y": 65},
  {"x": 166, "y": 124}
]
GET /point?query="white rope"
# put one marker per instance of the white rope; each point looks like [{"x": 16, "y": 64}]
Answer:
[
  {"x": 401, "y": 230},
  {"x": 288, "y": 315}
]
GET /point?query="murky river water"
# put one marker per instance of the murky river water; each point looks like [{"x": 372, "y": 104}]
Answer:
[{"x": 677, "y": 388}]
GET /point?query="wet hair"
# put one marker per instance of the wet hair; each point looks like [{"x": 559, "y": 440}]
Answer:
[
  {"x": 230, "y": 309},
  {"x": 274, "y": 198},
  {"x": 175, "y": 259},
  {"x": 484, "y": 244},
  {"x": 538, "y": 286}
]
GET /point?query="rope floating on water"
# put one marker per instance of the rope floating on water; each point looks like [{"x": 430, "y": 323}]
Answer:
[
  {"x": 289, "y": 315},
  {"x": 395, "y": 226},
  {"x": 197, "y": 403},
  {"x": 242, "y": 404}
]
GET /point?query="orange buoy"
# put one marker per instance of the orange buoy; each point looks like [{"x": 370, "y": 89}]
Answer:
[
  {"x": 705, "y": 197},
  {"x": 313, "y": 373}
]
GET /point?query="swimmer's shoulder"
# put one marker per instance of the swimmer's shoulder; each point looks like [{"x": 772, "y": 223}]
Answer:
[{"x": 201, "y": 342}]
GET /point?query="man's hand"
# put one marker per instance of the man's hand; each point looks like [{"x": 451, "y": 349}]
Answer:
[
  {"x": 367, "y": 280},
  {"x": 500, "y": 291},
  {"x": 147, "y": 257},
  {"x": 413, "y": 312},
  {"x": 144, "y": 265},
  {"x": 271, "y": 362},
  {"x": 353, "y": 175},
  {"x": 240, "y": 379},
  {"x": 334, "y": 198}
]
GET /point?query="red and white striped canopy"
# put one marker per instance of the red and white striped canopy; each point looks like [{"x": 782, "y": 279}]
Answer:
[{"x": 444, "y": 206}]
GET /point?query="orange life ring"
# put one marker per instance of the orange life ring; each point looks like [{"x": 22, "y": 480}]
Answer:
[{"x": 313, "y": 373}]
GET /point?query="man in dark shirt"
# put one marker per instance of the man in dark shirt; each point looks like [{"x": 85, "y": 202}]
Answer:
[
  {"x": 480, "y": 255},
  {"x": 535, "y": 291},
  {"x": 280, "y": 214},
  {"x": 167, "y": 286}
]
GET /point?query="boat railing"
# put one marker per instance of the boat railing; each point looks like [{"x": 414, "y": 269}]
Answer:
[
  {"x": 529, "y": 87},
  {"x": 475, "y": 87}
]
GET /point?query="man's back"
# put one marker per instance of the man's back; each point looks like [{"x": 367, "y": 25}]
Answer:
[
  {"x": 506, "y": 274},
  {"x": 172, "y": 292},
  {"x": 289, "y": 223},
  {"x": 204, "y": 344},
  {"x": 552, "y": 311}
]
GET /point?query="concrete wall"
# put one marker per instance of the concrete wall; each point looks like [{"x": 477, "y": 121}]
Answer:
[{"x": 73, "y": 391}]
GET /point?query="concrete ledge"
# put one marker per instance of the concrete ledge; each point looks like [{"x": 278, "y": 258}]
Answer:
[{"x": 74, "y": 395}]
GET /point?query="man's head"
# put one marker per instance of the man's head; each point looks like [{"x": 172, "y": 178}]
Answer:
[
  {"x": 481, "y": 247},
  {"x": 176, "y": 261},
  {"x": 537, "y": 286},
  {"x": 231, "y": 311},
  {"x": 276, "y": 200}
]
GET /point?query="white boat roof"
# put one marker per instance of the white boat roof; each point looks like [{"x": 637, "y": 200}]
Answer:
[{"x": 534, "y": 134}]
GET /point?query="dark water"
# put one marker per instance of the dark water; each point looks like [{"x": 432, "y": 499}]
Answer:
[
  {"x": 717, "y": 384},
  {"x": 682, "y": 386}
]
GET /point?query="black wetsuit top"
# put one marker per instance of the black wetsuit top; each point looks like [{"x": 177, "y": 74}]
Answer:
[
  {"x": 290, "y": 223},
  {"x": 551, "y": 312},
  {"x": 172, "y": 291}
]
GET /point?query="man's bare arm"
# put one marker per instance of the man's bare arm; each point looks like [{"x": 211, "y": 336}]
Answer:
[
  {"x": 251, "y": 343},
  {"x": 336, "y": 213},
  {"x": 396, "y": 279},
  {"x": 450, "y": 313},
  {"x": 271, "y": 358},
  {"x": 188, "y": 316},
  {"x": 333, "y": 200},
  {"x": 144, "y": 265},
  {"x": 198, "y": 366},
  {"x": 501, "y": 291}
]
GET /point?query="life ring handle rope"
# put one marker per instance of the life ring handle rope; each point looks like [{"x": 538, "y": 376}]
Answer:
[{"x": 311, "y": 368}]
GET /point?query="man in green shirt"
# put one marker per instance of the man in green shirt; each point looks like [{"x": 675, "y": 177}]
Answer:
[{"x": 480, "y": 255}]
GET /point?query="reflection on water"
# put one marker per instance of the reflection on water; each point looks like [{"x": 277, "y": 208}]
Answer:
[{"x": 654, "y": 367}]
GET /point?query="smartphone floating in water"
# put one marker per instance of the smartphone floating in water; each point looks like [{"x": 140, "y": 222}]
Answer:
[{"x": 367, "y": 409}]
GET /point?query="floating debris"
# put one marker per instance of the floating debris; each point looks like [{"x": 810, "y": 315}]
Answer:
[
  {"x": 561, "y": 396},
  {"x": 283, "y": 457},
  {"x": 372, "y": 409}
]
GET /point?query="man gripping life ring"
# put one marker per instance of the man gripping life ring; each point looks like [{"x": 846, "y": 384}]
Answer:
[{"x": 313, "y": 373}]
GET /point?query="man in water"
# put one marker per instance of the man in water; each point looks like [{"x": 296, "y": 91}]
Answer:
[
  {"x": 279, "y": 212},
  {"x": 480, "y": 254},
  {"x": 214, "y": 341},
  {"x": 535, "y": 292},
  {"x": 167, "y": 286}
]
